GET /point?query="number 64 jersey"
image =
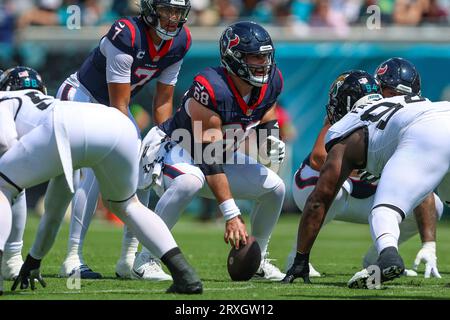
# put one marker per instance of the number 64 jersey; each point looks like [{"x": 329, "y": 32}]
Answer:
[{"x": 385, "y": 122}]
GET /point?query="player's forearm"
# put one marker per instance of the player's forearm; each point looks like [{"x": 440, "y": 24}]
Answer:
[
  {"x": 220, "y": 187},
  {"x": 426, "y": 218},
  {"x": 161, "y": 111},
  {"x": 310, "y": 224}
]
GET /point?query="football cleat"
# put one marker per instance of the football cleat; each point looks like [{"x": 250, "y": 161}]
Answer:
[
  {"x": 191, "y": 288},
  {"x": 267, "y": 271},
  {"x": 145, "y": 267},
  {"x": 313, "y": 273},
  {"x": 124, "y": 267},
  {"x": 390, "y": 266},
  {"x": 11, "y": 264}
]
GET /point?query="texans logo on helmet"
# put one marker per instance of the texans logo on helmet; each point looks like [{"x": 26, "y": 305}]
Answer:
[
  {"x": 233, "y": 42},
  {"x": 382, "y": 70}
]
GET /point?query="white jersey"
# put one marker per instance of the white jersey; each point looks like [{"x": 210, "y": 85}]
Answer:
[
  {"x": 24, "y": 110},
  {"x": 385, "y": 120},
  {"x": 20, "y": 112}
]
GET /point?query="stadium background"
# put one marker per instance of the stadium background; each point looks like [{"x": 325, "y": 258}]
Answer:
[{"x": 314, "y": 40}]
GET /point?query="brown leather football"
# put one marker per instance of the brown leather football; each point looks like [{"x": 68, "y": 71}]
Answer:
[{"x": 242, "y": 263}]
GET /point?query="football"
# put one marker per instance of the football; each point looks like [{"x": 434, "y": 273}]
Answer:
[{"x": 242, "y": 263}]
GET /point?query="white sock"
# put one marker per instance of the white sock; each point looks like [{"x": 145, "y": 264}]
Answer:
[
  {"x": 129, "y": 245},
  {"x": 265, "y": 215},
  {"x": 150, "y": 230},
  {"x": 384, "y": 227}
]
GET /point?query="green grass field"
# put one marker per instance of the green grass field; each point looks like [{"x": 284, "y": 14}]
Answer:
[{"x": 337, "y": 255}]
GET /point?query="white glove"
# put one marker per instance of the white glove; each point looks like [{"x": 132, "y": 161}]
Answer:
[
  {"x": 428, "y": 255},
  {"x": 275, "y": 150}
]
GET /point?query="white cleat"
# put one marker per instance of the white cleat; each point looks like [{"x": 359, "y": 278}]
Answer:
[
  {"x": 410, "y": 273},
  {"x": 11, "y": 264},
  {"x": 124, "y": 267},
  {"x": 73, "y": 265},
  {"x": 267, "y": 271},
  {"x": 360, "y": 281},
  {"x": 146, "y": 267},
  {"x": 313, "y": 273}
]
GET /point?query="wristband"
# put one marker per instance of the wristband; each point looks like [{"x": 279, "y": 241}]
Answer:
[{"x": 229, "y": 209}]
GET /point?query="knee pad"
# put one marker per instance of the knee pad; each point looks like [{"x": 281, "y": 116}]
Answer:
[{"x": 385, "y": 213}]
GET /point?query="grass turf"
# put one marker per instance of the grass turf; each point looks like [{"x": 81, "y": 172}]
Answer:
[{"x": 337, "y": 255}]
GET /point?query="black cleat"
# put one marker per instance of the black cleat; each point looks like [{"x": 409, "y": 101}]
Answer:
[
  {"x": 390, "y": 266},
  {"x": 193, "y": 288}
]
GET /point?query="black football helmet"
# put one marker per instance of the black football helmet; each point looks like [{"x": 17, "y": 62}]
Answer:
[
  {"x": 152, "y": 10},
  {"x": 347, "y": 89},
  {"x": 400, "y": 75},
  {"x": 21, "y": 78},
  {"x": 241, "y": 39}
]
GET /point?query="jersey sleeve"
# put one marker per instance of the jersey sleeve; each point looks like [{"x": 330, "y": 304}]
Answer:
[
  {"x": 122, "y": 35},
  {"x": 202, "y": 91},
  {"x": 118, "y": 64}
]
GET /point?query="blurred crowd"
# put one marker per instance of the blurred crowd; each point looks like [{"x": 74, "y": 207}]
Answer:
[{"x": 331, "y": 13}]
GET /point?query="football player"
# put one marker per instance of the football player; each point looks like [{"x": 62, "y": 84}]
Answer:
[
  {"x": 225, "y": 104},
  {"x": 397, "y": 139},
  {"x": 12, "y": 254},
  {"x": 50, "y": 138},
  {"x": 135, "y": 51},
  {"x": 353, "y": 202}
]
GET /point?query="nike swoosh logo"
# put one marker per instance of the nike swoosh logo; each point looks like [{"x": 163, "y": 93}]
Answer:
[
  {"x": 139, "y": 274},
  {"x": 201, "y": 87},
  {"x": 121, "y": 25}
]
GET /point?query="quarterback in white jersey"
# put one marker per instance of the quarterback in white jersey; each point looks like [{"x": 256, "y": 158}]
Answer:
[
  {"x": 398, "y": 139},
  {"x": 50, "y": 138}
]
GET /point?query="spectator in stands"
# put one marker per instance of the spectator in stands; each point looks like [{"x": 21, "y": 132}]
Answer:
[
  {"x": 410, "y": 12},
  {"x": 324, "y": 15}
]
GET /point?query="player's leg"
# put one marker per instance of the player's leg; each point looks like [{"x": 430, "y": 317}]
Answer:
[
  {"x": 12, "y": 256},
  {"x": 32, "y": 160},
  {"x": 83, "y": 208},
  {"x": 130, "y": 243},
  {"x": 85, "y": 199},
  {"x": 182, "y": 181},
  {"x": 415, "y": 169},
  {"x": 117, "y": 191},
  {"x": 252, "y": 181},
  {"x": 303, "y": 184}
]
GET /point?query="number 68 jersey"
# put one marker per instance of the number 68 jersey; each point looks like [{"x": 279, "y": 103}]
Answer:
[{"x": 384, "y": 121}]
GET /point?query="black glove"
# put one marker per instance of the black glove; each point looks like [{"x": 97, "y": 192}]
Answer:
[
  {"x": 299, "y": 269},
  {"x": 28, "y": 274}
]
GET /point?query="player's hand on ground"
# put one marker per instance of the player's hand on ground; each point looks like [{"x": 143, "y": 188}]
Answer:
[
  {"x": 29, "y": 274},
  {"x": 427, "y": 255},
  {"x": 299, "y": 269},
  {"x": 235, "y": 232}
]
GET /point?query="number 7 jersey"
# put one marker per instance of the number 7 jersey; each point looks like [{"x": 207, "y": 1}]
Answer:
[
  {"x": 384, "y": 122},
  {"x": 131, "y": 36}
]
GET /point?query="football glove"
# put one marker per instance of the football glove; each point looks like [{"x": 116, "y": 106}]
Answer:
[
  {"x": 299, "y": 269},
  {"x": 28, "y": 274},
  {"x": 275, "y": 150},
  {"x": 428, "y": 255},
  {"x": 367, "y": 176}
]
